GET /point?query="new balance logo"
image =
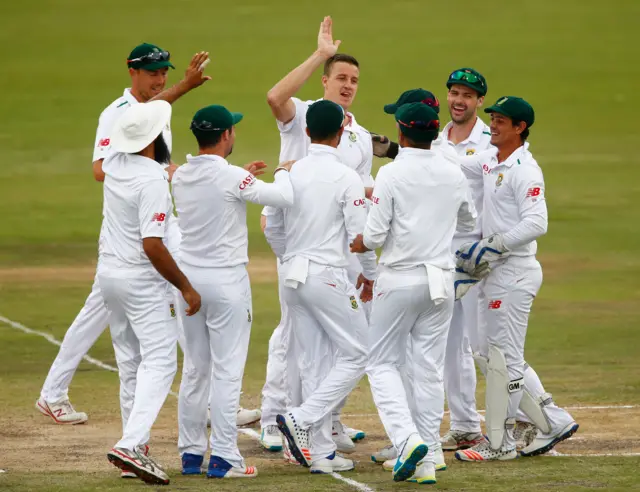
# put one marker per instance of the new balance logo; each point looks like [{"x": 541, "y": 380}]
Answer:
[
  {"x": 533, "y": 192},
  {"x": 59, "y": 412},
  {"x": 495, "y": 304},
  {"x": 158, "y": 217}
]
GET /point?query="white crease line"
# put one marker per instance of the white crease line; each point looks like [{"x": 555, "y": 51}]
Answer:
[
  {"x": 248, "y": 432},
  {"x": 353, "y": 483},
  {"x": 555, "y": 454},
  {"x": 597, "y": 407}
]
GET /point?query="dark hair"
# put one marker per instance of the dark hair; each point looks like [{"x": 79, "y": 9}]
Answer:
[
  {"x": 322, "y": 136},
  {"x": 161, "y": 150},
  {"x": 207, "y": 139},
  {"x": 418, "y": 145},
  {"x": 525, "y": 134},
  {"x": 339, "y": 57}
]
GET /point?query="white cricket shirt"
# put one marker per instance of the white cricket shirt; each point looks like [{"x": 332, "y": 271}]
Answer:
[
  {"x": 478, "y": 141},
  {"x": 137, "y": 205},
  {"x": 328, "y": 212},
  {"x": 418, "y": 201},
  {"x": 355, "y": 148},
  {"x": 210, "y": 197},
  {"x": 514, "y": 203}
]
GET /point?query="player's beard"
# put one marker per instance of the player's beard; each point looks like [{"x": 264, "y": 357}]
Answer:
[{"x": 161, "y": 150}]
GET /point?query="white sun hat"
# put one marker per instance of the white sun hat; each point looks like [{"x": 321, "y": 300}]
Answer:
[{"x": 139, "y": 125}]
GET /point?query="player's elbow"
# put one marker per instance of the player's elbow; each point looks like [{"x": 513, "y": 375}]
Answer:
[{"x": 273, "y": 100}]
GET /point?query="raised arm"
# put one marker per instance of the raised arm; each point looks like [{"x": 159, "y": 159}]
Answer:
[
  {"x": 276, "y": 194},
  {"x": 279, "y": 97},
  {"x": 193, "y": 77}
]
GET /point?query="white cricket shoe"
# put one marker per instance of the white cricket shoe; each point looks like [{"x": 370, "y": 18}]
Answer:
[
  {"x": 221, "y": 468},
  {"x": 297, "y": 437},
  {"x": 385, "y": 454},
  {"x": 440, "y": 463},
  {"x": 544, "y": 443},
  {"x": 62, "y": 412},
  {"x": 483, "y": 452},
  {"x": 354, "y": 434},
  {"x": 142, "y": 449},
  {"x": 332, "y": 463},
  {"x": 343, "y": 442},
  {"x": 270, "y": 438},
  {"x": 524, "y": 434},
  {"x": 413, "y": 451},
  {"x": 145, "y": 468},
  {"x": 247, "y": 417},
  {"x": 425, "y": 473},
  {"x": 455, "y": 440}
]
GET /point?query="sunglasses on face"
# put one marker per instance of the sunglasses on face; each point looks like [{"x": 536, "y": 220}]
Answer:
[
  {"x": 422, "y": 125},
  {"x": 152, "y": 57},
  {"x": 467, "y": 77}
]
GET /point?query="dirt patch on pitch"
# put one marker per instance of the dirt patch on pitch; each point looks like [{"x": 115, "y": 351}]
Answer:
[{"x": 262, "y": 269}]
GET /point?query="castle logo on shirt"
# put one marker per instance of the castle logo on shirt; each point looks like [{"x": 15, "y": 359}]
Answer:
[
  {"x": 248, "y": 181},
  {"x": 354, "y": 302}
]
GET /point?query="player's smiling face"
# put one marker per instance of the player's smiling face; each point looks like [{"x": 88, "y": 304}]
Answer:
[
  {"x": 148, "y": 83},
  {"x": 463, "y": 103},
  {"x": 503, "y": 131},
  {"x": 341, "y": 85}
]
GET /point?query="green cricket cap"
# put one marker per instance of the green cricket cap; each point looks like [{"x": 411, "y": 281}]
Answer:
[
  {"x": 470, "y": 78},
  {"x": 414, "y": 95},
  {"x": 515, "y": 108},
  {"x": 418, "y": 122},
  {"x": 149, "y": 57},
  {"x": 214, "y": 118},
  {"x": 324, "y": 118}
]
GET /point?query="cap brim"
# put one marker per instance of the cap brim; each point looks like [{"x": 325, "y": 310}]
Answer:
[
  {"x": 390, "y": 108},
  {"x": 157, "y": 65},
  {"x": 466, "y": 84},
  {"x": 496, "y": 109},
  {"x": 237, "y": 117}
]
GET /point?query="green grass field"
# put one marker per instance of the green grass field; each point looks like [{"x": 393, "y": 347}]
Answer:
[{"x": 64, "y": 61}]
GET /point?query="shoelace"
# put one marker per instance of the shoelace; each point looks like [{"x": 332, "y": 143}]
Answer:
[
  {"x": 272, "y": 430},
  {"x": 68, "y": 408}
]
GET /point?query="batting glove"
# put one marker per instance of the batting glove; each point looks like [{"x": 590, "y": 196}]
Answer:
[{"x": 474, "y": 258}]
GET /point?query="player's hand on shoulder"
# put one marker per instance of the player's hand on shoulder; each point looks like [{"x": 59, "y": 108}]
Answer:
[
  {"x": 286, "y": 166},
  {"x": 256, "y": 168},
  {"x": 194, "y": 75},
  {"x": 326, "y": 45}
]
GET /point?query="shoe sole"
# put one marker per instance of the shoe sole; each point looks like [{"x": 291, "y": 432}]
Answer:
[
  {"x": 47, "y": 413},
  {"x": 333, "y": 470},
  {"x": 141, "y": 473},
  {"x": 293, "y": 446},
  {"x": 505, "y": 458},
  {"x": 128, "y": 475},
  {"x": 192, "y": 471},
  {"x": 552, "y": 444},
  {"x": 408, "y": 467},
  {"x": 441, "y": 468},
  {"x": 247, "y": 424},
  {"x": 422, "y": 480},
  {"x": 273, "y": 449}
]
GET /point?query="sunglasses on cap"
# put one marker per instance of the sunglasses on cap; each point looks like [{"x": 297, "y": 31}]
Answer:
[
  {"x": 154, "y": 56},
  {"x": 205, "y": 126},
  {"x": 467, "y": 77},
  {"x": 432, "y": 102},
  {"x": 422, "y": 125}
]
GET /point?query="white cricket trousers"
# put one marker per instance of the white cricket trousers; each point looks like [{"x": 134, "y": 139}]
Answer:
[
  {"x": 506, "y": 297},
  {"x": 402, "y": 310},
  {"x": 326, "y": 316},
  {"x": 459, "y": 366},
  {"x": 144, "y": 331},
  {"x": 217, "y": 341},
  {"x": 282, "y": 383}
]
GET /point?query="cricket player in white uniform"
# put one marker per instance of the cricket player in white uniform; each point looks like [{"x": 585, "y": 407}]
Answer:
[
  {"x": 420, "y": 191},
  {"x": 340, "y": 81},
  {"x": 326, "y": 316},
  {"x": 148, "y": 65},
  {"x": 210, "y": 197},
  {"x": 514, "y": 216},
  {"x": 135, "y": 274}
]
